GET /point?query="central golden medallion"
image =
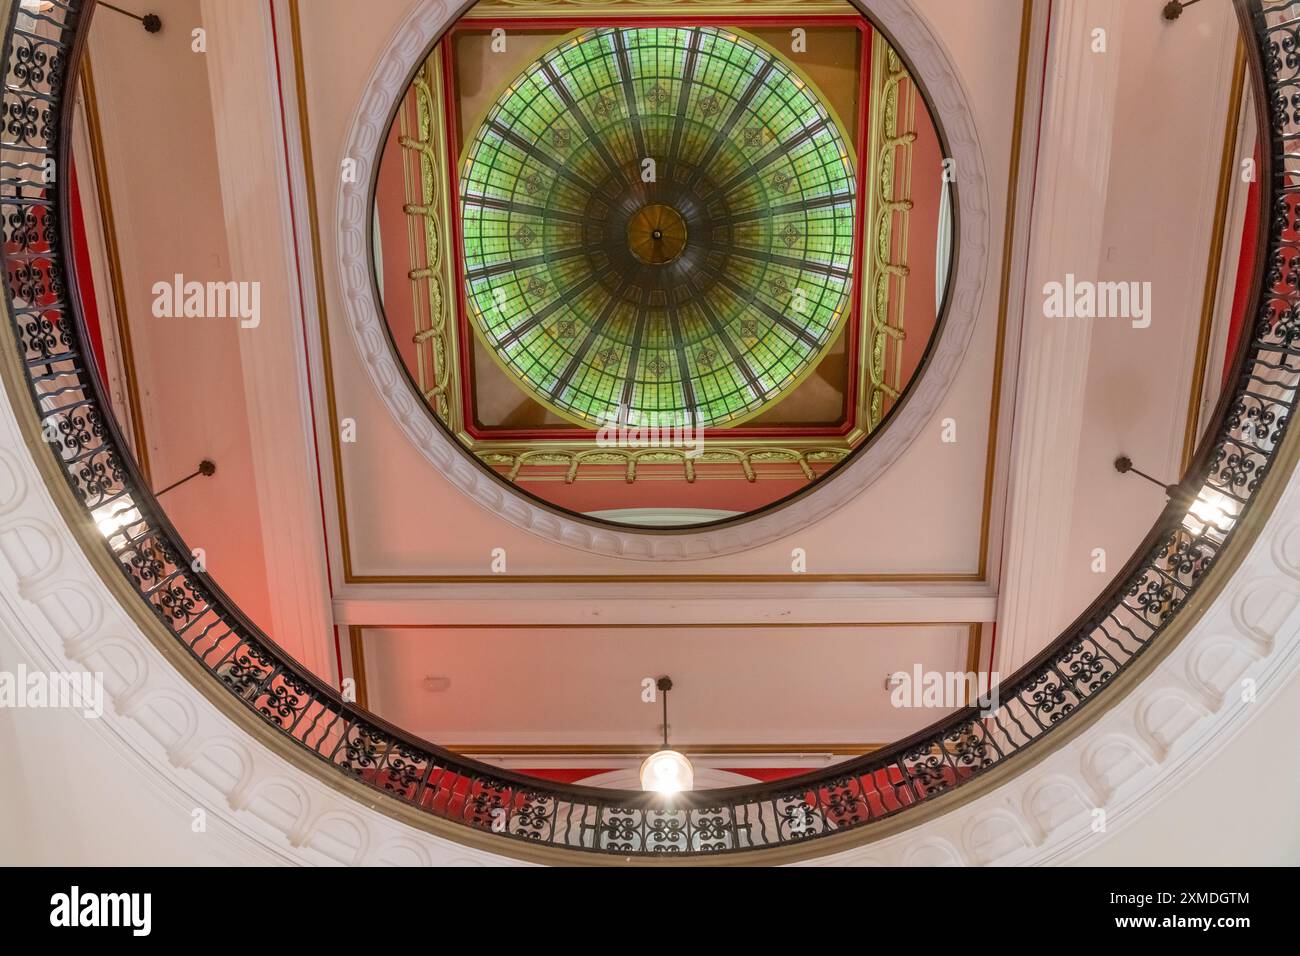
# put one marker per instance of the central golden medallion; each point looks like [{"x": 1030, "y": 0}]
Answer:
[{"x": 656, "y": 234}]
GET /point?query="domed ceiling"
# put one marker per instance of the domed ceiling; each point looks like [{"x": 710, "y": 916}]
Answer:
[
  {"x": 658, "y": 227},
  {"x": 727, "y": 241}
]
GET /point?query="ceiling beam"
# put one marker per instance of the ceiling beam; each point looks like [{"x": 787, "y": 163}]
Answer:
[{"x": 673, "y": 604}]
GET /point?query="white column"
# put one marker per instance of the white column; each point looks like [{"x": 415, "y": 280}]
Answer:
[
  {"x": 1066, "y": 238},
  {"x": 243, "y": 80}
]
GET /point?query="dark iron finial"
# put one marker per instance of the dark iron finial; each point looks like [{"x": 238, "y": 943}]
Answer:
[{"x": 1174, "y": 8}]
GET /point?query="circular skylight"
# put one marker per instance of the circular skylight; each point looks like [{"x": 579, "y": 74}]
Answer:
[
  {"x": 663, "y": 276},
  {"x": 658, "y": 227}
]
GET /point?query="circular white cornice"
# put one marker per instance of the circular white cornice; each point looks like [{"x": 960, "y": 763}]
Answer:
[
  {"x": 929, "y": 62},
  {"x": 61, "y": 615}
]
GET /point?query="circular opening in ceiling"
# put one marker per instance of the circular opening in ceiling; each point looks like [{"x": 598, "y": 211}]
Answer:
[{"x": 662, "y": 276}]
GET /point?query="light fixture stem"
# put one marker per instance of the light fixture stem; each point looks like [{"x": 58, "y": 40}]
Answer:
[
  {"x": 207, "y": 468},
  {"x": 151, "y": 22},
  {"x": 1124, "y": 465},
  {"x": 664, "y": 685},
  {"x": 1142, "y": 474}
]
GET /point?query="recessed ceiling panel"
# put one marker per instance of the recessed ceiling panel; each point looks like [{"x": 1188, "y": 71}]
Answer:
[
  {"x": 658, "y": 227},
  {"x": 662, "y": 274}
]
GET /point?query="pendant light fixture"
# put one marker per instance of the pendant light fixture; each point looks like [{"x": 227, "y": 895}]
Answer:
[{"x": 666, "y": 771}]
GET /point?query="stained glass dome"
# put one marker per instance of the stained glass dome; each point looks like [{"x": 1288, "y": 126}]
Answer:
[{"x": 658, "y": 227}]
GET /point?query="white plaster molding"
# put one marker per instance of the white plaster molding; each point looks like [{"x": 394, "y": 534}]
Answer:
[
  {"x": 932, "y": 66},
  {"x": 243, "y": 82},
  {"x": 1073, "y": 169},
  {"x": 62, "y": 615},
  {"x": 663, "y": 517}
]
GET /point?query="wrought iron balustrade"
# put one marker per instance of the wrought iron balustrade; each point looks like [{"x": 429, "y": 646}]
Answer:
[{"x": 40, "y": 54}]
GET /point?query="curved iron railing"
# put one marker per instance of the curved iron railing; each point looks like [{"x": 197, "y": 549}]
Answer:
[{"x": 40, "y": 55}]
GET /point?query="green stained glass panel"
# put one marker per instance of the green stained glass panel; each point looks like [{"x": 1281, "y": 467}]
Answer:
[{"x": 700, "y": 287}]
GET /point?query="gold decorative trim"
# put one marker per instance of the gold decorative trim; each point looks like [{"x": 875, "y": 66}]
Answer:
[
  {"x": 973, "y": 646},
  {"x": 1004, "y": 289},
  {"x": 938, "y": 577},
  {"x": 108, "y": 227},
  {"x": 1213, "y": 266},
  {"x": 514, "y": 460},
  {"x": 542, "y": 9},
  {"x": 318, "y": 276},
  {"x": 892, "y": 136},
  {"x": 713, "y": 625},
  {"x": 426, "y": 205},
  {"x": 357, "y": 650},
  {"x": 639, "y": 750}
]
